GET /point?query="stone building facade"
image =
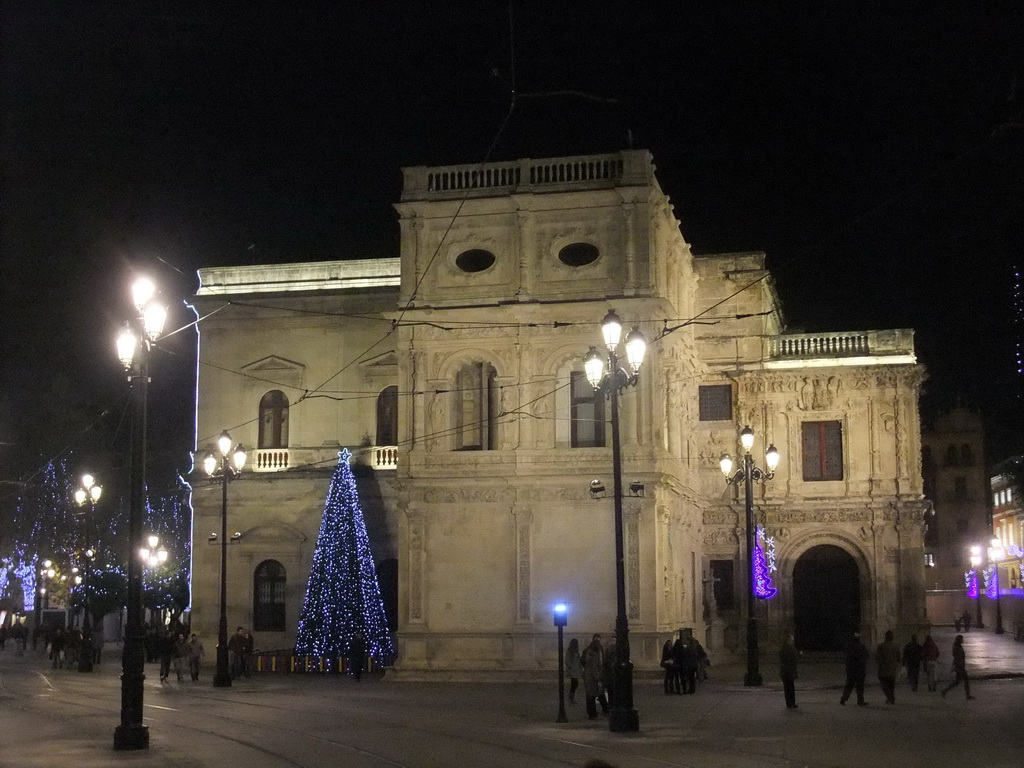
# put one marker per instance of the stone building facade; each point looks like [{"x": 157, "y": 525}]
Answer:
[{"x": 478, "y": 330}]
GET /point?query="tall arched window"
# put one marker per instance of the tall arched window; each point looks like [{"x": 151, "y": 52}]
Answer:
[
  {"x": 274, "y": 420},
  {"x": 268, "y": 609},
  {"x": 387, "y": 416},
  {"x": 477, "y": 403}
]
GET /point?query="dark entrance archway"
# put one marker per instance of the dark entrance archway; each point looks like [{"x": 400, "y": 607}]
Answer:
[{"x": 826, "y": 598}]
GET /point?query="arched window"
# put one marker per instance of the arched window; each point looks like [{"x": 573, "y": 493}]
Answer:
[
  {"x": 966, "y": 456},
  {"x": 387, "y": 416},
  {"x": 587, "y": 418},
  {"x": 268, "y": 614},
  {"x": 274, "y": 420},
  {"x": 476, "y": 406}
]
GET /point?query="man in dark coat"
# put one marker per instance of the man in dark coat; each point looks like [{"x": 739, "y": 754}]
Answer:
[
  {"x": 789, "y": 656},
  {"x": 912, "y": 654},
  {"x": 856, "y": 669}
]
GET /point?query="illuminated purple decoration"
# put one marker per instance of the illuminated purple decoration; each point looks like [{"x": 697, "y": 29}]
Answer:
[
  {"x": 971, "y": 580},
  {"x": 991, "y": 583},
  {"x": 763, "y": 588}
]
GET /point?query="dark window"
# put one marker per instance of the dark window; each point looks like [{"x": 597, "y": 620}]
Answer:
[
  {"x": 274, "y": 420},
  {"x": 387, "y": 416},
  {"x": 578, "y": 254},
  {"x": 715, "y": 402},
  {"x": 822, "y": 450},
  {"x": 960, "y": 488},
  {"x": 951, "y": 457},
  {"x": 586, "y": 413},
  {"x": 476, "y": 260},
  {"x": 269, "y": 597},
  {"x": 476, "y": 407},
  {"x": 722, "y": 583},
  {"x": 966, "y": 456}
]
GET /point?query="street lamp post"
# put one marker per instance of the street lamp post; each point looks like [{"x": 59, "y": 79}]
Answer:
[
  {"x": 88, "y": 493},
  {"x": 133, "y": 349},
  {"x": 229, "y": 465},
  {"x": 748, "y": 474},
  {"x": 622, "y": 716},
  {"x": 995, "y": 554},
  {"x": 976, "y": 562},
  {"x": 561, "y": 613}
]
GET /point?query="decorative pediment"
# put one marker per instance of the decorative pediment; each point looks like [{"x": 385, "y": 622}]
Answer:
[
  {"x": 386, "y": 360},
  {"x": 273, "y": 533},
  {"x": 273, "y": 369}
]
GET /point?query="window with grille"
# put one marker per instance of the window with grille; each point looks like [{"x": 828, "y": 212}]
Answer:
[
  {"x": 715, "y": 402},
  {"x": 587, "y": 413},
  {"x": 268, "y": 610},
  {"x": 822, "y": 450}
]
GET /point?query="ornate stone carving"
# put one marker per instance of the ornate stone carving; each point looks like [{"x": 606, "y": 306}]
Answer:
[
  {"x": 720, "y": 537},
  {"x": 523, "y": 570},
  {"x": 632, "y": 546},
  {"x": 711, "y": 451},
  {"x": 719, "y": 517},
  {"x": 822, "y": 516},
  {"x": 819, "y": 393}
]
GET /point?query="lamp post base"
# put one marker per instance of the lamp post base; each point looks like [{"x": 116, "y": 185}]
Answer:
[
  {"x": 129, "y": 737},
  {"x": 753, "y": 680},
  {"x": 221, "y": 679},
  {"x": 622, "y": 720}
]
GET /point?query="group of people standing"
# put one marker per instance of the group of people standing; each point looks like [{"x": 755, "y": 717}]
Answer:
[{"x": 684, "y": 661}]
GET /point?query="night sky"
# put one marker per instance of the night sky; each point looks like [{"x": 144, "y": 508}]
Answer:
[{"x": 874, "y": 151}]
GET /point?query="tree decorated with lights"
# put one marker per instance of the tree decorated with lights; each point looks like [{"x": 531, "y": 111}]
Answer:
[{"x": 343, "y": 596}]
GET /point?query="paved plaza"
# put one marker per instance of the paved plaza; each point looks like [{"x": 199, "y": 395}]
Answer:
[{"x": 56, "y": 718}]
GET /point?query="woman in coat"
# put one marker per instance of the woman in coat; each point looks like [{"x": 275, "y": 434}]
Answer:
[
  {"x": 593, "y": 671},
  {"x": 573, "y": 668},
  {"x": 930, "y": 658}
]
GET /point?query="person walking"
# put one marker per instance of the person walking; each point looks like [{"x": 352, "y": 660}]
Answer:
[
  {"x": 959, "y": 669},
  {"x": 930, "y": 658},
  {"x": 965, "y": 618},
  {"x": 235, "y": 652},
  {"x": 856, "y": 669},
  {"x": 573, "y": 668},
  {"x": 887, "y": 657},
  {"x": 166, "y": 653},
  {"x": 912, "y": 661},
  {"x": 357, "y": 655},
  {"x": 179, "y": 656},
  {"x": 248, "y": 646},
  {"x": 669, "y": 665},
  {"x": 593, "y": 669},
  {"x": 789, "y": 657},
  {"x": 196, "y": 652}
]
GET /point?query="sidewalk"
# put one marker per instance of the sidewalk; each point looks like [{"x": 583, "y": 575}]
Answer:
[{"x": 989, "y": 657}]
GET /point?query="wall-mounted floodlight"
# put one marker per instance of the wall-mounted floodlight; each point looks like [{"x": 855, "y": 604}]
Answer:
[
  {"x": 596, "y": 489},
  {"x": 636, "y": 489}
]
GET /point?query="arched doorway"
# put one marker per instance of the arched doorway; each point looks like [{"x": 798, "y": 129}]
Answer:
[{"x": 826, "y": 598}]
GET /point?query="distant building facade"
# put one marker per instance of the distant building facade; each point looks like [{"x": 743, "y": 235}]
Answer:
[
  {"x": 455, "y": 375},
  {"x": 957, "y": 483}
]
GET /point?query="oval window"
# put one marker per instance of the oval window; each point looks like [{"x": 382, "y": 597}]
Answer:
[
  {"x": 578, "y": 254},
  {"x": 475, "y": 260}
]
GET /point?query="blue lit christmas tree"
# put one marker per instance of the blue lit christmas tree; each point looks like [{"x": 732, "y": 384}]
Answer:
[{"x": 343, "y": 596}]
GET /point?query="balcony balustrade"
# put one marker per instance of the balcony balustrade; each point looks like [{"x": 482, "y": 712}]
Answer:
[{"x": 377, "y": 457}]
